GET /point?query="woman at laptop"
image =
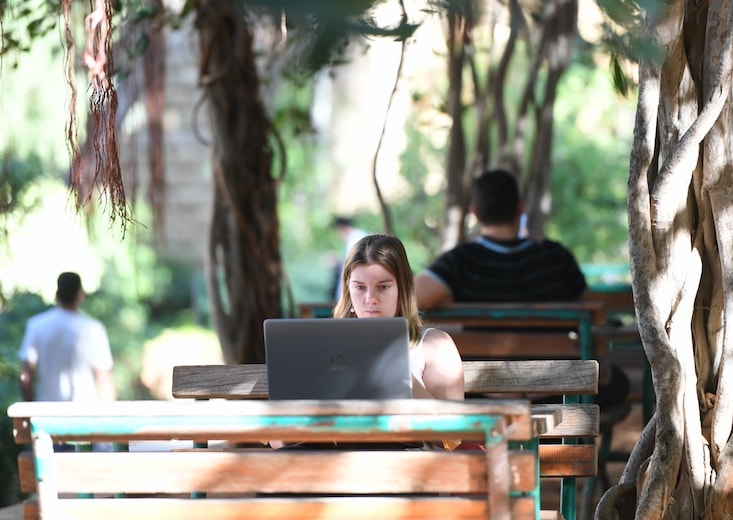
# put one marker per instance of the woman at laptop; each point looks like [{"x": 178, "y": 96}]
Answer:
[{"x": 378, "y": 283}]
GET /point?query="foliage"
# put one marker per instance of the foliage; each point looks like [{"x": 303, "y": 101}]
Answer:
[
  {"x": 590, "y": 167},
  {"x": 13, "y": 315},
  {"x": 17, "y": 177}
]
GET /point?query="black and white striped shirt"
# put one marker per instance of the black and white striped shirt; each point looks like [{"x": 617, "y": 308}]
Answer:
[{"x": 521, "y": 270}]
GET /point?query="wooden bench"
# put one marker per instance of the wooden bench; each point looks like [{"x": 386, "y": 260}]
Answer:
[
  {"x": 620, "y": 334},
  {"x": 559, "y": 330},
  {"x": 566, "y": 452},
  {"x": 207, "y": 481}
]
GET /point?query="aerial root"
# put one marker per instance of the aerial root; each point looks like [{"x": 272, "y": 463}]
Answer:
[{"x": 617, "y": 503}]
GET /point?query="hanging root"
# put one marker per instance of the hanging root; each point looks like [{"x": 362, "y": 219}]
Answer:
[{"x": 97, "y": 57}]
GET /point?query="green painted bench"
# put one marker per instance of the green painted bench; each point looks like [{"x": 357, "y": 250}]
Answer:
[
  {"x": 216, "y": 480},
  {"x": 567, "y": 451}
]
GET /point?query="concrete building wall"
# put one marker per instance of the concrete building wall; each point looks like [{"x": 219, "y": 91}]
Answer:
[{"x": 189, "y": 184}]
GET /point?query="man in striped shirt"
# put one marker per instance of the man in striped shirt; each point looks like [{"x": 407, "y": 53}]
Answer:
[{"x": 500, "y": 266}]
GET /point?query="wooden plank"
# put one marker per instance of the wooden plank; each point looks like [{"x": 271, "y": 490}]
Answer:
[
  {"x": 248, "y": 381},
  {"x": 576, "y": 420},
  {"x": 617, "y": 300},
  {"x": 522, "y": 315},
  {"x": 245, "y": 420},
  {"x": 236, "y": 471},
  {"x": 522, "y": 509},
  {"x": 567, "y": 377},
  {"x": 280, "y": 471},
  {"x": 568, "y": 460},
  {"x": 367, "y": 508},
  {"x": 90, "y": 473},
  {"x": 26, "y": 474},
  {"x": 514, "y": 345},
  {"x": 532, "y": 376}
]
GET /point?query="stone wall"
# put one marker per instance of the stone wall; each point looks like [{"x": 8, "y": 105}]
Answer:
[{"x": 187, "y": 159}]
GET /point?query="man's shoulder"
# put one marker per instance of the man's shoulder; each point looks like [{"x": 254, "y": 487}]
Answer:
[
  {"x": 88, "y": 320},
  {"x": 43, "y": 316},
  {"x": 553, "y": 245},
  {"x": 464, "y": 247}
]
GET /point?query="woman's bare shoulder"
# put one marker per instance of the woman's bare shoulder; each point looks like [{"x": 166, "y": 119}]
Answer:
[{"x": 437, "y": 338}]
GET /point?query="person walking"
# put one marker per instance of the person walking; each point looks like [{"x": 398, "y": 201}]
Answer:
[{"x": 66, "y": 354}]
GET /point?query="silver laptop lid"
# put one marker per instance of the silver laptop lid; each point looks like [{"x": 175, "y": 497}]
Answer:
[{"x": 338, "y": 358}]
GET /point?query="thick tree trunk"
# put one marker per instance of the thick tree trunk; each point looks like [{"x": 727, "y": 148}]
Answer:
[
  {"x": 244, "y": 271},
  {"x": 680, "y": 217}
]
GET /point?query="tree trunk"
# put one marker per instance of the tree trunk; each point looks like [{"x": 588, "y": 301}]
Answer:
[
  {"x": 559, "y": 19},
  {"x": 455, "y": 193},
  {"x": 680, "y": 217},
  {"x": 244, "y": 270},
  {"x": 549, "y": 33}
]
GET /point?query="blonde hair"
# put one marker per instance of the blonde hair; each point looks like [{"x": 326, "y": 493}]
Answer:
[{"x": 388, "y": 252}]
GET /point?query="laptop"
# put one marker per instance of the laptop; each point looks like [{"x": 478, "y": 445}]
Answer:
[{"x": 338, "y": 358}]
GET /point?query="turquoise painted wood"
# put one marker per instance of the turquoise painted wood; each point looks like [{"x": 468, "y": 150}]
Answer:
[
  {"x": 45, "y": 428},
  {"x": 338, "y": 424}
]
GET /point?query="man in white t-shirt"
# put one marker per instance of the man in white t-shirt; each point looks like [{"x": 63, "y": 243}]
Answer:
[{"x": 66, "y": 355}]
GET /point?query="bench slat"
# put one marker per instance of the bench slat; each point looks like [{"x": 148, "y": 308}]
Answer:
[
  {"x": 567, "y": 377},
  {"x": 568, "y": 460},
  {"x": 576, "y": 420},
  {"x": 243, "y": 420},
  {"x": 366, "y": 508},
  {"x": 30, "y": 511},
  {"x": 491, "y": 344},
  {"x": 250, "y": 381},
  {"x": 279, "y": 471},
  {"x": 576, "y": 460}
]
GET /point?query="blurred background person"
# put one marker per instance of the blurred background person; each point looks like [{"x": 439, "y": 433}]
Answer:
[
  {"x": 66, "y": 354},
  {"x": 350, "y": 235}
]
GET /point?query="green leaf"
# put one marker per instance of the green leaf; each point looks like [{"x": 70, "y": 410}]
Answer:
[
  {"x": 620, "y": 81},
  {"x": 34, "y": 27}
]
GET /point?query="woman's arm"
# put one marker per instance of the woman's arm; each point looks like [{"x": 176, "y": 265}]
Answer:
[{"x": 443, "y": 374}]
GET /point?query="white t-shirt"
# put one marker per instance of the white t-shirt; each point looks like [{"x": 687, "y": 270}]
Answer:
[{"x": 65, "y": 347}]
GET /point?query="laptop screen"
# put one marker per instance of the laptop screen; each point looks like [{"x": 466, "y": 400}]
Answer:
[{"x": 338, "y": 358}]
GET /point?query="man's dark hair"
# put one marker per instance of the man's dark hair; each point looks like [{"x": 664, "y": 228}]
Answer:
[
  {"x": 68, "y": 287},
  {"x": 342, "y": 221},
  {"x": 495, "y": 197}
]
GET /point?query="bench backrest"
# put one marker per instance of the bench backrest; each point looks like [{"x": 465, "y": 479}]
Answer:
[
  {"x": 265, "y": 483},
  {"x": 510, "y": 330}
]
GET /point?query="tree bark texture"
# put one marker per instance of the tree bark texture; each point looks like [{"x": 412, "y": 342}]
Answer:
[
  {"x": 681, "y": 249},
  {"x": 244, "y": 269},
  {"x": 521, "y": 135}
]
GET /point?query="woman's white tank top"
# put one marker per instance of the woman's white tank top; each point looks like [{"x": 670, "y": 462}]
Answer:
[{"x": 417, "y": 367}]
